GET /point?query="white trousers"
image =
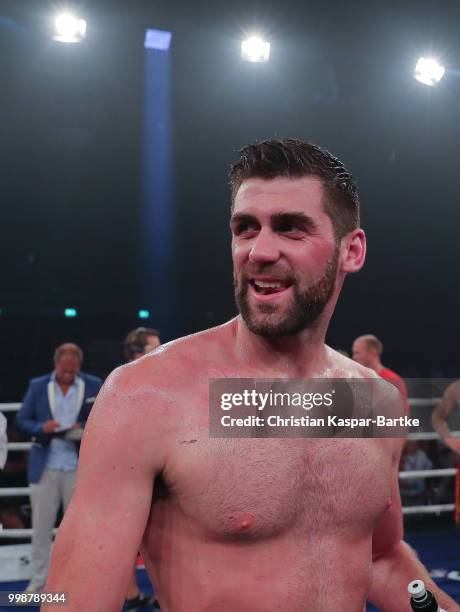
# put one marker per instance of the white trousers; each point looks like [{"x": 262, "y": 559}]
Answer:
[{"x": 54, "y": 488}]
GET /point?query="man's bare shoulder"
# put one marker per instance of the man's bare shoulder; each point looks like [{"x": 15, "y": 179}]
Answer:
[
  {"x": 187, "y": 355},
  {"x": 383, "y": 394},
  {"x": 158, "y": 388},
  {"x": 452, "y": 392},
  {"x": 344, "y": 367},
  {"x": 172, "y": 367}
]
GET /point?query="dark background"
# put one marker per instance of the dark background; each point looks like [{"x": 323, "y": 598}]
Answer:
[{"x": 340, "y": 74}]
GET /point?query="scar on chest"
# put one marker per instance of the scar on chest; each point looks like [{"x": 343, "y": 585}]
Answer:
[{"x": 187, "y": 441}]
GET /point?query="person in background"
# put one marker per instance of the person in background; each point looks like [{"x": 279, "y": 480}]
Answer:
[
  {"x": 137, "y": 343},
  {"x": 439, "y": 418},
  {"x": 53, "y": 414},
  {"x": 367, "y": 350}
]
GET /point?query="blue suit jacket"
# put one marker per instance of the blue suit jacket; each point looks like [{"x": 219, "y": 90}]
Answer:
[{"x": 37, "y": 408}]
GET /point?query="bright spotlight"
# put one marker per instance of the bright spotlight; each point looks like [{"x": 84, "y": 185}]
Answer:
[
  {"x": 69, "y": 29},
  {"x": 428, "y": 71},
  {"x": 157, "y": 39},
  {"x": 255, "y": 50}
]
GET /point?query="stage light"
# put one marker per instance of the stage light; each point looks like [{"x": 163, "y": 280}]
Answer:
[
  {"x": 157, "y": 39},
  {"x": 428, "y": 71},
  {"x": 143, "y": 314},
  {"x": 69, "y": 29},
  {"x": 255, "y": 50},
  {"x": 70, "y": 313}
]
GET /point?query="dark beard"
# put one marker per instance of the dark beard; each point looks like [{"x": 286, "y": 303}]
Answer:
[{"x": 304, "y": 311}]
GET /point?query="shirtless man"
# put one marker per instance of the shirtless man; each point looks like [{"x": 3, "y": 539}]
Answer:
[
  {"x": 440, "y": 415},
  {"x": 244, "y": 525}
]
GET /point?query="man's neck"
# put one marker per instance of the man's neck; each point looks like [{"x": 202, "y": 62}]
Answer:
[
  {"x": 64, "y": 386},
  {"x": 378, "y": 367},
  {"x": 299, "y": 355}
]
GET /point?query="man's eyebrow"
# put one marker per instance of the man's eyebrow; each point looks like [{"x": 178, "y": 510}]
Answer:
[
  {"x": 242, "y": 218},
  {"x": 299, "y": 219},
  {"x": 296, "y": 218}
]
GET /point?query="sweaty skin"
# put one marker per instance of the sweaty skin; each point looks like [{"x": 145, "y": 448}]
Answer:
[
  {"x": 259, "y": 524},
  {"x": 240, "y": 525}
]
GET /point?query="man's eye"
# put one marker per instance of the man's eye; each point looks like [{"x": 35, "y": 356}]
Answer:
[
  {"x": 245, "y": 228},
  {"x": 288, "y": 228}
]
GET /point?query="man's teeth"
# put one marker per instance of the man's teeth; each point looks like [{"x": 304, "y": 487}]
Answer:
[{"x": 263, "y": 284}]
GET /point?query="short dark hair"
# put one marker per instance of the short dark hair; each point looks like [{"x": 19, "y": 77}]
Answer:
[
  {"x": 136, "y": 341},
  {"x": 293, "y": 158}
]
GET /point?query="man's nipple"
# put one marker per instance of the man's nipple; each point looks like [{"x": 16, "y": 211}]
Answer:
[{"x": 241, "y": 522}]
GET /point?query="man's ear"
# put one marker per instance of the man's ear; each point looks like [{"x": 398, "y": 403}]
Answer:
[{"x": 353, "y": 251}]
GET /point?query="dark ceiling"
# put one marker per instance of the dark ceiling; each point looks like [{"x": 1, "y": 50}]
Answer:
[{"x": 340, "y": 74}]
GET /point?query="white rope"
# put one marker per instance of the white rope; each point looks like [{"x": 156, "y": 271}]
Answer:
[
  {"x": 424, "y": 401},
  {"x": 427, "y": 473},
  {"x": 18, "y": 533},
  {"x": 14, "y": 491},
  {"x": 426, "y": 435},
  {"x": 17, "y": 446},
  {"x": 428, "y": 509},
  {"x": 10, "y": 407}
]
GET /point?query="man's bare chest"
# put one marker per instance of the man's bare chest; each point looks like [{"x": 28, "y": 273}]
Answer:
[{"x": 258, "y": 488}]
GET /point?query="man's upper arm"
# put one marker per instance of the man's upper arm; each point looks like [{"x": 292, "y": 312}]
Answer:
[
  {"x": 121, "y": 453},
  {"x": 389, "y": 530},
  {"x": 449, "y": 402},
  {"x": 26, "y": 419}
]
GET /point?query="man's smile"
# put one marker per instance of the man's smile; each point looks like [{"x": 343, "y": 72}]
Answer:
[{"x": 269, "y": 289}]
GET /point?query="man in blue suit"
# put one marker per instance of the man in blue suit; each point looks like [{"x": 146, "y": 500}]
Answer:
[{"x": 53, "y": 414}]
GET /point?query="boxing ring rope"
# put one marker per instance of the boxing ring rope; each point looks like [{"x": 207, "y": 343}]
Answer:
[
  {"x": 14, "y": 491},
  {"x": 433, "y": 509},
  {"x": 12, "y": 534},
  {"x": 427, "y": 473},
  {"x": 18, "y": 446},
  {"x": 10, "y": 407},
  {"x": 404, "y": 475}
]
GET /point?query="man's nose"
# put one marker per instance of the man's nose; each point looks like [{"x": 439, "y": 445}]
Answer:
[{"x": 265, "y": 248}]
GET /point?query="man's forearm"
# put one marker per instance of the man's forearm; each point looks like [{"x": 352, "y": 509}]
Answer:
[{"x": 391, "y": 575}]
